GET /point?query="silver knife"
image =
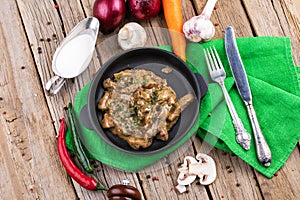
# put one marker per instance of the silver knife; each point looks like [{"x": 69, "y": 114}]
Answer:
[{"x": 262, "y": 149}]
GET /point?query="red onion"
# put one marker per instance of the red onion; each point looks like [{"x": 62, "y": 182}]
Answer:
[
  {"x": 144, "y": 9},
  {"x": 110, "y": 14}
]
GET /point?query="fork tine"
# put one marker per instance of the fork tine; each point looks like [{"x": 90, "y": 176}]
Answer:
[
  {"x": 209, "y": 60},
  {"x": 213, "y": 57},
  {"x": 218, "y": 58}
]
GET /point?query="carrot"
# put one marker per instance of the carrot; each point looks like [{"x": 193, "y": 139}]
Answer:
[{"x": 174, "y": 19}]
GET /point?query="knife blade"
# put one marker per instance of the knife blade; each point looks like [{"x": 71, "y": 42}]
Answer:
[{"x": 238, "y": 71}]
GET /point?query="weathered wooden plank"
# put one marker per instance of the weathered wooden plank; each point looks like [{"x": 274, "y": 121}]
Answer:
[
  {"x": 285, "y": 184},
  {"x": 227, "y": 13},
  {"x": 30, "y": 167},
  {"x": 165, "y": 173},
  {"x": 276, "y": 18},
  {"x": 235, "y": 178},
  {"x": 44, "y": 31},
  {"x": 48, "y": 25}
]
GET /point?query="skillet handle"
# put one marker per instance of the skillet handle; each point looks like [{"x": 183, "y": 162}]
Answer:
[
  {"x": 202, "y": 85},
  {"x": 84, "y": 118}
]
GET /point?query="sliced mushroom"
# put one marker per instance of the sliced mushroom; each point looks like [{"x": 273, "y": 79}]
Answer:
[
  {"x": 184, "y": 177},
  {"x": 205, "y": 169},
  {"x": 132, "y": 35},
  {"x": 195, "y": 169},
  {"x": 187, "y": 161},
  {"x": 181, "y": 188},
  {"x": 184, "y": 170}
]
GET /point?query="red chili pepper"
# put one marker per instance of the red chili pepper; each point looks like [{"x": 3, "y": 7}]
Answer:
[{"x": 85, "y": 181}]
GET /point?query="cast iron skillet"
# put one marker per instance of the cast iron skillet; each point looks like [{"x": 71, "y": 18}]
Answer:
[{"x": 181, "y": 79}]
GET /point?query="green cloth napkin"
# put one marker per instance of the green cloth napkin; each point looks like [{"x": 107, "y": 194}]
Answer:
[
  {"x": 273, "y": 79},
  {"x": 97, "y": 148}
]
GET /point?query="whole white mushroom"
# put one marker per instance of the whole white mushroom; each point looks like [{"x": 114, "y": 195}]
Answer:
[{"x": 132, "y": 35}]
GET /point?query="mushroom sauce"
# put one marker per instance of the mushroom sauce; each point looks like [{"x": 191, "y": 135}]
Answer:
[{"x": 139, "y": 105}]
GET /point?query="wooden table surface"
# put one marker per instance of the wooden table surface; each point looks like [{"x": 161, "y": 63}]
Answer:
[{"x": 30, "y": 31}]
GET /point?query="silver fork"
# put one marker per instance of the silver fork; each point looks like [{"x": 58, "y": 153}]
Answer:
[{"x": 218, "y": 74}]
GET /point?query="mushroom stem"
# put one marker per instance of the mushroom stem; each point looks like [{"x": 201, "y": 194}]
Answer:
[{"x": 125, "y": 34}]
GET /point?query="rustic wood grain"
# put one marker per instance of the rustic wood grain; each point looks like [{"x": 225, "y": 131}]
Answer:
[
  {"x": 42, "y": 21},
  {"x": 165, "y": 173},
  {"x": 227, "y": 13},
  {"x": 276, "y": 18},
  {"x": 29, "y": 118},
  {"x": 235, "y": 178},
  {"x": 56, "y": 21},
  {"x": 286, "y": 178},
  {"x": 28, "y": 144}
]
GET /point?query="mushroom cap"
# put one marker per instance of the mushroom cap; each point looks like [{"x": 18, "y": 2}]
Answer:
[
  {"x": 207, "y": 172},
  {"x": 188, "y": 160},
  {"x": 184, "y": 178},
  {"x": 204, "y": 168},
  {"x": 204, "y": 158},
  {"x": 132, "y": 35}
]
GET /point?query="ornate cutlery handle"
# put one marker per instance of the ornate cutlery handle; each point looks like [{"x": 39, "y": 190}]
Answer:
[
  {"x": 242, "y": 136},
  {"x": 262, "y": 149}
]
